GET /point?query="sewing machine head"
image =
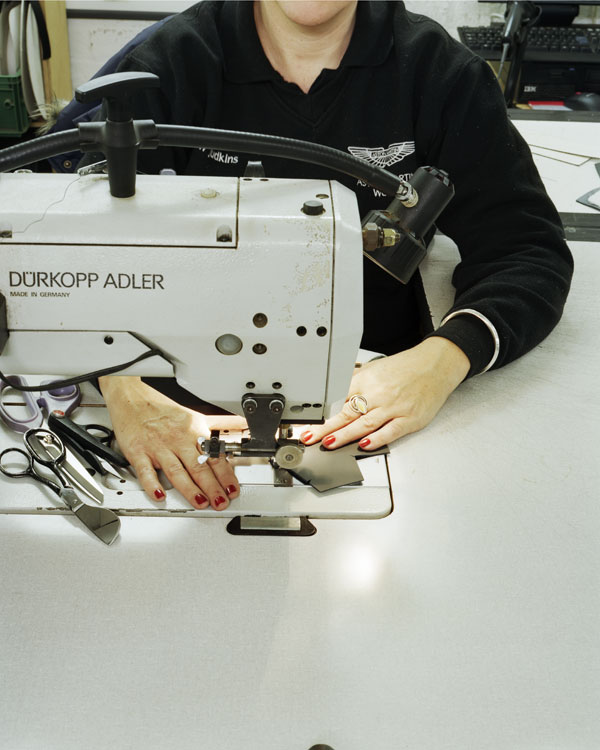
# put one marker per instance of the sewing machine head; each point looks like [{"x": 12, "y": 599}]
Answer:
[{"x": 247, "y": 286}]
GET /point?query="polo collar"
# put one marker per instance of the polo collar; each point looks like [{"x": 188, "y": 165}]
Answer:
[{"x": 246, "y": 62}]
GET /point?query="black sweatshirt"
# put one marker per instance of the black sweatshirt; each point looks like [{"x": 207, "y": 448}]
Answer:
[{"x": 407, "y": 94}]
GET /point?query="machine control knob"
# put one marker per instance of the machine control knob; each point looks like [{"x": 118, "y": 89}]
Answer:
[{"x": 313, "y": 208}]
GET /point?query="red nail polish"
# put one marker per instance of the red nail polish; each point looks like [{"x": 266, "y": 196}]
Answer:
[
  {"x": 364, "y": 442},
  {"x": 200, "y": 499},
  {"x": 219, "y": 501},
  {"x": 306, "y": 436},
  {"x": 330, "y": 440},
  {"x": 159, "y": 494},
  {"x": 231, "y": 489}
]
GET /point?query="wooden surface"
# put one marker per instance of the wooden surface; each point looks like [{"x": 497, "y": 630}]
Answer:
[{"x": 57, "y": 70}]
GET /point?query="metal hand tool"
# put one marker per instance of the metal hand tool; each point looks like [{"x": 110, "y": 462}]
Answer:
[
  {"x": 46, "y": 448},
  {"x": 91, "y": 441}
]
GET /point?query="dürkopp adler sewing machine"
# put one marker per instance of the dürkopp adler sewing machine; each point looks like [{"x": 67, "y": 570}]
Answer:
[{"x": 247, "y": 290}]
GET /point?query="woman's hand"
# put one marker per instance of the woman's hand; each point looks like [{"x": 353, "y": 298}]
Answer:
[
  {"x": 403, "y": 393},
  {"x": 154, "y": 432}
]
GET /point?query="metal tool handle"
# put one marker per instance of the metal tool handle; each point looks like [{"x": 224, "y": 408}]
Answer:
[
  {"x": 47, "y": 449},
  {"x": 27, "y": 471}
]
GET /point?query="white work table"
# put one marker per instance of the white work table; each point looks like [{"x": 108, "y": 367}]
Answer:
[{"x": 467, "y": 619}]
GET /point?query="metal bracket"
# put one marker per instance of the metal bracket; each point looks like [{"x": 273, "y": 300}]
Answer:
[
  {"x": 254, "y": 169},
  {"x": 98, "y": 167},
  {"x": 282, "y": 477},
  {"x": 263, "y": 413},
  {"x": 267, "y": 526}
]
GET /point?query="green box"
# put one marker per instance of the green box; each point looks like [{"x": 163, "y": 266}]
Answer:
[{"x": 14, "y": 119}]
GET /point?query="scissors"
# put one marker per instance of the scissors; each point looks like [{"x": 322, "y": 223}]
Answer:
[
  {"x": 60, "y": 401},
  {"x": 45, "y": 448},
  {"x": 63, "y": 400},
  {"x": 91, "y": 441}
]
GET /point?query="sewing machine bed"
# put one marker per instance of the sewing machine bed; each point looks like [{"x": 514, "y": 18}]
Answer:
[{"x": 259, "y": 497}]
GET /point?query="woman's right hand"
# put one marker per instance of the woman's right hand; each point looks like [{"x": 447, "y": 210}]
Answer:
[{"x": 154, "y": 432}]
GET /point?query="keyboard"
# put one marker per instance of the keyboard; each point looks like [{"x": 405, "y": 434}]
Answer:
[{"x": 569, "y": 44}]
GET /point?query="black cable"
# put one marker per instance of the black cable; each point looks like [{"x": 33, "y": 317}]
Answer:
[
  {"x": 185, "y": 136},
  {"x": 44, "y": 147},
  {"x": 289, "y": 148},
  {"x": 81, "y": 378},
  {"x": 519, "y": 44}
]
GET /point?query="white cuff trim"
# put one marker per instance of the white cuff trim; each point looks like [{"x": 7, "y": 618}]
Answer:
[{"x": 490, "y": 326}]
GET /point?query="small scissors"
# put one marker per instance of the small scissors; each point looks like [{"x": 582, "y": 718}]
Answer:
[
  {"x": 34, "y": 455},
  {"x": 46, "y": 448}
]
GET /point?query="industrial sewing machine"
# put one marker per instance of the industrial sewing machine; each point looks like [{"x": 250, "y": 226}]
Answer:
[{"x": 248, "y": 291}]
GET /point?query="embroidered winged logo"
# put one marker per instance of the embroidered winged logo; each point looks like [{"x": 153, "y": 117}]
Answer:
[{"x": 384, "y": 157}]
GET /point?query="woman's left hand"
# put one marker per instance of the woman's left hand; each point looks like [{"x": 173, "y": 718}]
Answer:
[{"x": 403, "y": 393}]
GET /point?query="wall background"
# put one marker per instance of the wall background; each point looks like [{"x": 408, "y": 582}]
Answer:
[{"x": 93, "y": 41}]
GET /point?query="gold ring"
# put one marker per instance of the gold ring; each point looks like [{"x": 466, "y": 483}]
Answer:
[{"x": 358, "y": 404}]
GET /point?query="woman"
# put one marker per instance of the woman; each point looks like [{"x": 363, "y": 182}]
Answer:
[{"x": 372, "y": 77}]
